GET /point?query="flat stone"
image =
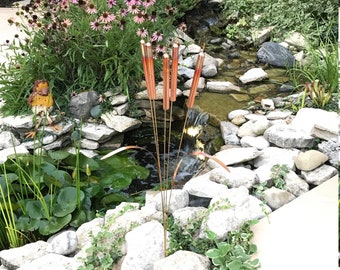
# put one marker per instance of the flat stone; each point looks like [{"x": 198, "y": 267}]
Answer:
[
  {"x": 120, "y": 123},
  {"x": 310, "y": 160},
  {"x": 222, "y": 87},
  {"x": 254, "y": 74}
]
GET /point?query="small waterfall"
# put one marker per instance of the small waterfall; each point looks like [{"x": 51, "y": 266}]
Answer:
[{"x": 190, "y": 164}]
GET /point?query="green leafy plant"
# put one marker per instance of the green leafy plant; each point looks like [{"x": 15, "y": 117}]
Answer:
[
  {"x": 293, "y": 15},
  {"x": 46, "y": 198},
  {"x": 319, "y": 76},
  {"x": 82, "y": 45},
  {"x": 234, "y": 253},
  {"x": 106, "y": 246},
  {"x": 187, "y": 238},
  {"x": 278, "y": 175}
]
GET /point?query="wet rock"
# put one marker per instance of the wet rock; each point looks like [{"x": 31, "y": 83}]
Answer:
[
  {"x": 159, "y": 93},
  {"x": 200, "y": 86},
  {"x": 275, "y": 54},
  {"x": 253, "y": 75},
  {"x": 222, "y": 87},
  {"x": 310, "y": 160},
  {"x": 267, "y": 104},
  {"x": 229, "y": 133},
  {"x": 235, "y": 113},
  {"x": 209, "y": 71}
]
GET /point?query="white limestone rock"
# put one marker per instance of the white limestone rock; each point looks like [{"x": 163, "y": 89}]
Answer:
[
  {"x": 183, "y": 260},
  {"x": 253, "y": 75}
]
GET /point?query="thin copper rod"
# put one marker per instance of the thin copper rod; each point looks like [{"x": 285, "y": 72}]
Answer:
[
  {"x": 174, "y": 71},
  {"x": 192, "y": 95},
  {"x": 166, "y": 83},
  {"x": 197, "y": 75}
]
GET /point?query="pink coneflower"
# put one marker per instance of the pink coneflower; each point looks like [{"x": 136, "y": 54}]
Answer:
[
  {"x": 37, "y": 3},
  {"x": 91, "y": 9},
  {"x": 107, "y": 27},
  {"x": 64, "y": 6},
  {"x": 160, "y": 49},
  {"x": 95, "y": 25},
  {"x": 142, "y": 32},
  {"x": 130, "y": 2},
  {"x": 66, "y": 23},
  {"x": 148, "y": 3},
  {"x": 183, "y": 27},
  {"x": 111, "y": 3},
  {"x": 133, "y": 9},
  {"x": 139, "y": 18},
  {"x": 107, "y": 17},
  {"x": 157, "y": 36},
  {"x": 74, "y": 1},
  {"x": 124, "y": 12},
  {"x": 153, "y": 16}
]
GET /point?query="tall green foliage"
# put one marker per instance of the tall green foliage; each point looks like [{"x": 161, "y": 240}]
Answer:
[
  {"x": 65, "y": 190},
  {"x": 312, "y": 18},
  {"x": 82, "y": 45}
]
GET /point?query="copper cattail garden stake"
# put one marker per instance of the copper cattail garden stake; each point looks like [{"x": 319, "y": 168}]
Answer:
[{"x": 169, "y": 96}]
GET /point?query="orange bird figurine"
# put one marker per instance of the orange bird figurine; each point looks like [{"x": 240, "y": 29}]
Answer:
[{"x": 41, "y": 102}]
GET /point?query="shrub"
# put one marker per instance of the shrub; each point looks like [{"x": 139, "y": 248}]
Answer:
[
  {"x": 82, "y": 45},
  {"x": 313, "y": 19}
]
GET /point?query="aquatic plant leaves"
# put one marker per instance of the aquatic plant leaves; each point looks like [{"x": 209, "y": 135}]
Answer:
[
  {"x": 66, "y": 201},
  {"x": 58, "y": 155},
  {"x": 78, "y": 218},
  {"x": 55, "y": 224},
  {"x": 35, "y": 210},
  {"x": 25, "y": 223}
]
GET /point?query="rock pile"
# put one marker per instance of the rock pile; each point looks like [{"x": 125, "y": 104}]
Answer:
[{"x": 254, "y": 143}]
